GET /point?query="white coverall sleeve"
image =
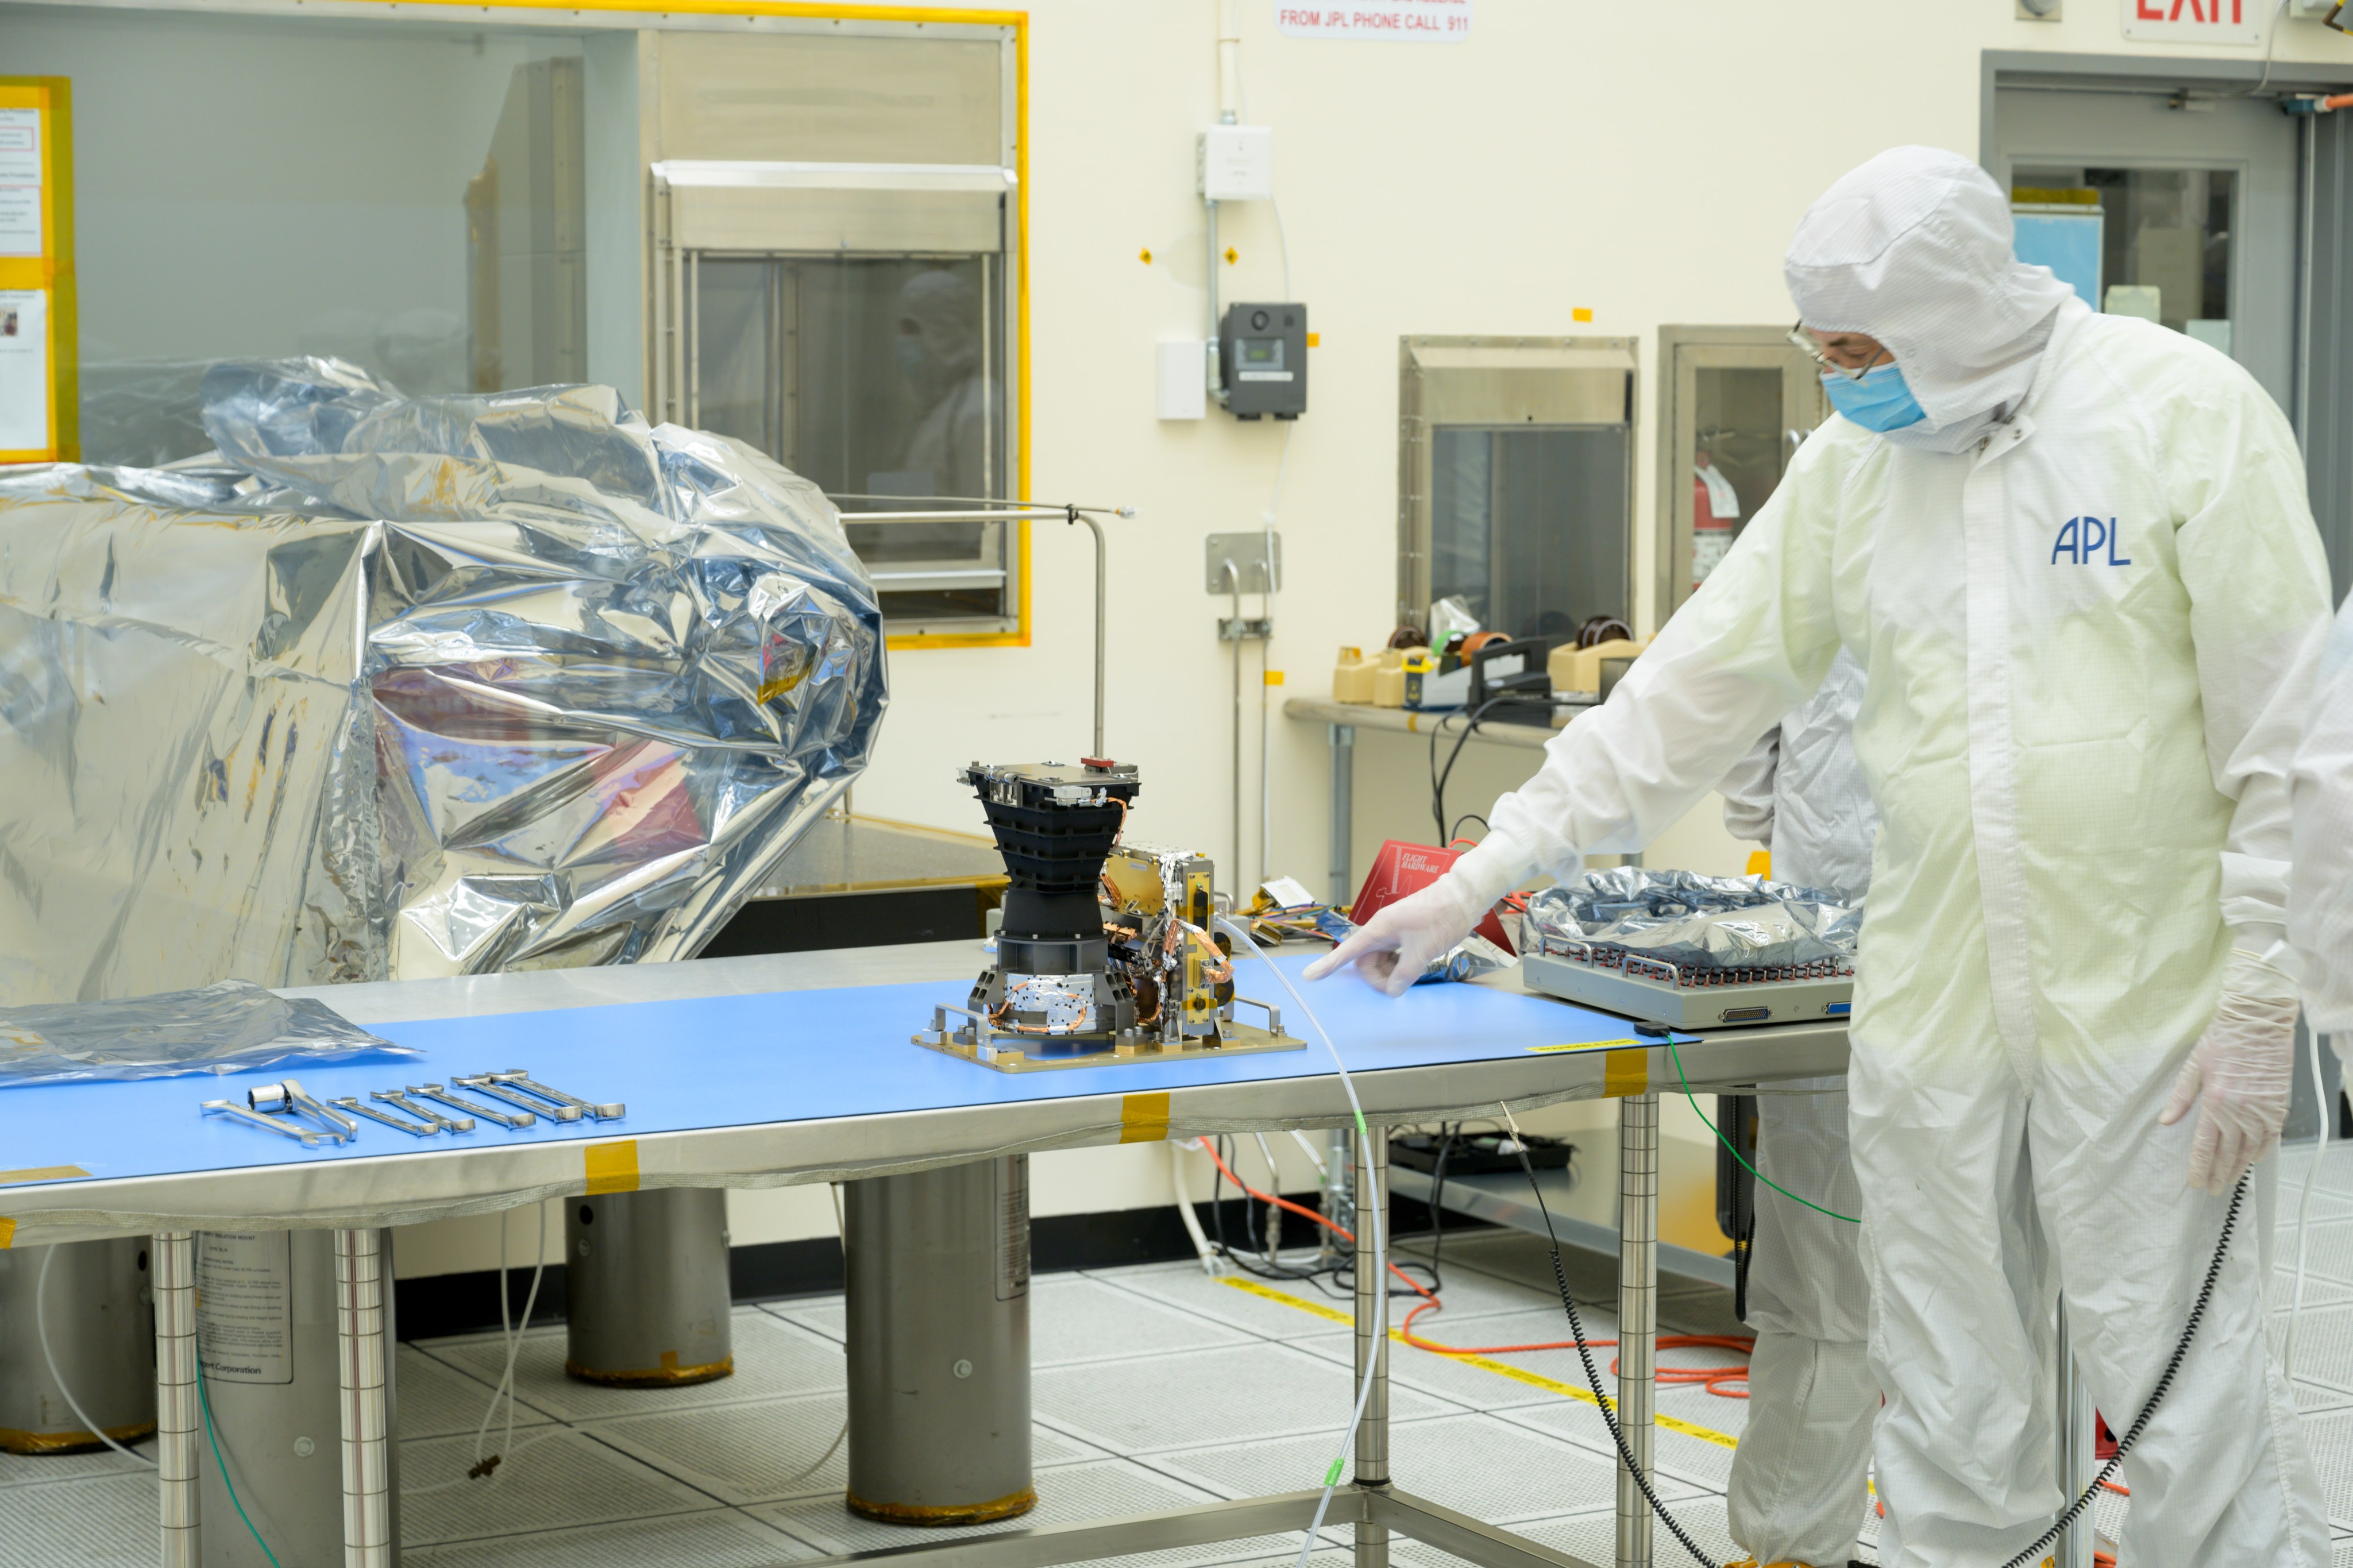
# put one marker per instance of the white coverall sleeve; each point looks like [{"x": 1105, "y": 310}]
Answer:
[
  {"x": 2258, "y": 583},
  {"x": 1747, "y": 791},
  {"x": 2320, "y": 887},
  {"x": 1750, "y": 646}
]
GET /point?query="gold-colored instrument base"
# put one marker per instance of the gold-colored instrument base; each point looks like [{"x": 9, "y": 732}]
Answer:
[
  {"x": 669, "y": 1374},
  {"x": 1011, "y": 1507},
  {"x": 31, "y": 1444},
  {"x": 1010, "y": 1052}
]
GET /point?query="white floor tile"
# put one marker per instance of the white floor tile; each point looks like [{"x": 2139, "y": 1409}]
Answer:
[
  {"x": 557, "y": 1478},
  {"x": 1251, "y": 1392}
]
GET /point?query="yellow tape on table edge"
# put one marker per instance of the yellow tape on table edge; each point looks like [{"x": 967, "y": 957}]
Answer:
[
  {"x": 611, "y": 1167},
  {"x": 1484, "y": 1363},
  {"x": 1143, "y": 1118},
  {"x": 7, "y": 1232}
]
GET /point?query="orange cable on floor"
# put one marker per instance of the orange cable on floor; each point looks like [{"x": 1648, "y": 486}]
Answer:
[{"x": 1713, "y": 1378}]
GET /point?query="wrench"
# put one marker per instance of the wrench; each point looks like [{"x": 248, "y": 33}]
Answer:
[
  {"x": 423, "y": 1112},
  {"x": 520, "y": 1078},
  {"x": 457, "y": 1101},
  {"x": 413, "y": 1129},
  {"x": 289, "y": 1097},
  {"x": 486, "y": 1083},
  {"x": 301, "y": 1134}
]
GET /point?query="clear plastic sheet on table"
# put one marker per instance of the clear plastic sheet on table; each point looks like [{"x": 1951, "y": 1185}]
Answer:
[
  {"x": 233, "y": 1026},
  {"x": 1474, "y": 954},
  {"x": 1696, "y": 921},
  {"x": 387, "y": 687}
]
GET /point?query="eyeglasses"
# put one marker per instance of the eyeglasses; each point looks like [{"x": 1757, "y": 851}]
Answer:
[{"x": 1828, "y": 366}]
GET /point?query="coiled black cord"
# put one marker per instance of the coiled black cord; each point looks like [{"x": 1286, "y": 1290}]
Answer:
[
  {"x": 2074, "y": 1510},
  {"x": 2164, "y": 1380}
]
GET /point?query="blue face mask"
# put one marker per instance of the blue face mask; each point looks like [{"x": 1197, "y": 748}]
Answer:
[{"x": 1879, "y": 401}]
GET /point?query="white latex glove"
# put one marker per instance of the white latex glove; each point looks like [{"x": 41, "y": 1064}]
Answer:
[
  {"x": 1395, "y": 945},
  {"x": 2239, "y": 1074}
]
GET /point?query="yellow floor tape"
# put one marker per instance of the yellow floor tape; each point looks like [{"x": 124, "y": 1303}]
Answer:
[{"x": 1500, "y": 1369}]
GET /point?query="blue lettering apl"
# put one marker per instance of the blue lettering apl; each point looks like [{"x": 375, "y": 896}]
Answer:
[{"x": 2082, "y": 539}]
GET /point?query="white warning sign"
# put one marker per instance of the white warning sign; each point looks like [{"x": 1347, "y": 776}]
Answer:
[{"x": 1407, "y": 21}]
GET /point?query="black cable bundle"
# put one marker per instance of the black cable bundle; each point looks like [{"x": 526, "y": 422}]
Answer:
[{"x": 2074, "y": 1510}]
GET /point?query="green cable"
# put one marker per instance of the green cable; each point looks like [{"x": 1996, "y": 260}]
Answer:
[
  {"x": 205, "y": 1399},
  {"x": 1673, "y": 1057}
]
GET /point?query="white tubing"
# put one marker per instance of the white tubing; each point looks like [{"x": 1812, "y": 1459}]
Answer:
[
  {"x": 1367, "y": 1214},
  {"x": 1211, "y": 1264},
  {"x": 1229, "y": 63},
  {"x": 41, "y": 1331},
  {"x": 2303, "y": 1208}
]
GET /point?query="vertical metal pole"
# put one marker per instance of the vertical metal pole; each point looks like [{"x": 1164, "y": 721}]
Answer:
[
  {"x": 179, "y": 1418},
  {"x": 1343, "y": 800},
  {"x": 1372, "y": 1337},
  {"x": 2075, "y": 1448},
  {"x": 1339, "y": 1187},
  {"x": 362, "y": 1359},
  {"x": 1096, "y": 529},
  {"x": 1214, "y": 349},
  {"x": 1637, "y": 1311}
]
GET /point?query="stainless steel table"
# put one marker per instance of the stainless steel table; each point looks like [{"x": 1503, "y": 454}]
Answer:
[{"x": 334, "y": 1195}]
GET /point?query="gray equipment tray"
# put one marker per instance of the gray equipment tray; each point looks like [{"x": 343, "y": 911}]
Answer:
[{"x": 1641, "y": 988}]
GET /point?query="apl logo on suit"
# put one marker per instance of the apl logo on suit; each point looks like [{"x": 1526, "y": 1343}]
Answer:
[{"x": 2081, "y": 540}]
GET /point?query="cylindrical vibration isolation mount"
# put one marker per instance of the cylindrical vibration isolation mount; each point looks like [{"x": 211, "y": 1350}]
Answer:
[
  {"x": 939, "y": 1343},
  {"x": 272, "y": 1359},
  {"x": 646, "y": 1287},
  {"x": 101, "y": 1340}
]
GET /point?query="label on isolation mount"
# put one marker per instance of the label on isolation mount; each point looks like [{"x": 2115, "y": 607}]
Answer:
[
  {"x": 245, "y": 1305},
  {"x": 1012, "y": 1226}
]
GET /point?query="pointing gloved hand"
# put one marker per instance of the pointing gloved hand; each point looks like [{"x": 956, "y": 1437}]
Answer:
[
  {"x": 1397, "y": 944},
  {"x": 2239, "y": 1073}
]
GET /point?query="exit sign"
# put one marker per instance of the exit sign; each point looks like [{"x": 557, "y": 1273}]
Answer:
[{"x": 2196, "y": 21}]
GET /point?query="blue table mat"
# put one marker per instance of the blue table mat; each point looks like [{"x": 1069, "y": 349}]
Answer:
[{"x": 730, "y": 1061}]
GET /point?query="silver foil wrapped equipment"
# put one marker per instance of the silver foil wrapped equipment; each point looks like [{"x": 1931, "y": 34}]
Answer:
[
  {"x": 394, "y": 687},
  {"x": 1696, "y": 921}
]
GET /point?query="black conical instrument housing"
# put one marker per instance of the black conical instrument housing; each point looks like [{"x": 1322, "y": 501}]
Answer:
[{"x": 1054, "y": 823}]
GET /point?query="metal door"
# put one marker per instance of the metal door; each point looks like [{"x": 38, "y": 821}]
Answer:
[
  {"x": 2200, "y": 197},
  {"x": 1739, "y": 400}
]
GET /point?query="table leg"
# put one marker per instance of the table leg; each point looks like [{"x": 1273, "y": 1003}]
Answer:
[
  {"x": 1637, "y": 1311},
  {"x": 2075, "y": 1448},
  {"x": 1372, "y": 1348},
  {"x": 362, "y": 1359},
  {"x": 179, "y": 1419},
  {"x": 1344, "y": 794}
]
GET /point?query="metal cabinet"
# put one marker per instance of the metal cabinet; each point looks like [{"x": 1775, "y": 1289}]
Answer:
[
  {"x": 836, "y": 280},
  {"x": 1735, "y": 403},
  {"x": 1515, "y": 479}
]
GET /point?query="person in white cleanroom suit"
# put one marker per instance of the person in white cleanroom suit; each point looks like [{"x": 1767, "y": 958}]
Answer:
[
  {"x": 2320, "y": 888},
  {"x": 1797, "y": 1490},
  {"x": 2074, "y": 555}
]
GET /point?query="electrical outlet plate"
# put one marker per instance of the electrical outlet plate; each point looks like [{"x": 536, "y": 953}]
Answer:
[{"x": 1247, "y": 554}]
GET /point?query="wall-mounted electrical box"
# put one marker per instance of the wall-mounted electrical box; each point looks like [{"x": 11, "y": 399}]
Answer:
[
  {"x": 1235, "y": 162},
  {"x": 1262, "y": 357}
]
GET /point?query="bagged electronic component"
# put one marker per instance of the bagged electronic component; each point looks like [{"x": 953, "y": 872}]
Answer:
[
  {"x": 392, "y": 687},
  {"x": 1691, "y": 921},
  {"x": 233, "y": 1026}
]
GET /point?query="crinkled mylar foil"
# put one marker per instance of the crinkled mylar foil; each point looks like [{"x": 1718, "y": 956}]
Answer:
[{"x": 392, "y": 687}]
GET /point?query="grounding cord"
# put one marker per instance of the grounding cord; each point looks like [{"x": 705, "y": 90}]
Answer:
[{"x": 2164, "y": 1381}]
